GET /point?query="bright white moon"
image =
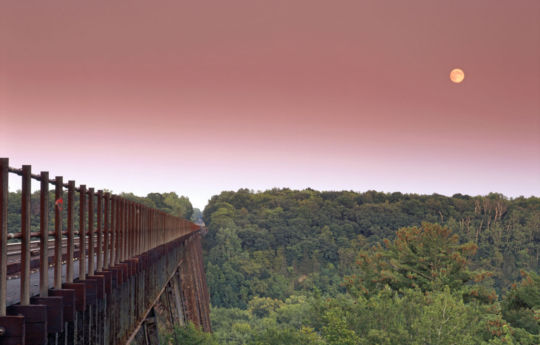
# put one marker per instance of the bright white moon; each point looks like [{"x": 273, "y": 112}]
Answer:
[{"x": 457, "y": 75}]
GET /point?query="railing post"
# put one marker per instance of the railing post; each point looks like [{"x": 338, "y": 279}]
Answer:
[
  {"x": 82, "y": 232},
  {"x": 124, "y": 229},
  {"x": 120, "y": 230},
  {"x": 4, "y": 171},
  {"x": 116, "y": 246},
  {"x": 91, "y": 231},
  {"x": 139, "y": 228},
  {"x": 99, "y": 245},
  {"x": 149, "y": 229},
  {"x": 146, "y": 243},
  {"x": 25, "y": 229},
  {"x": 155, "y": 230},
  {"x": 70, "y": 235},
  {"x": 112, "y": 256},
  {"x": 121, "y": 236},
  {"x": 146, "y": 227},
  {"x": 135, "y": 228},
  {"x": 129, "y": 228},
  {"x": 107, "y": 230},
  {"x": 163, "y": 228},
  {"x": 58, "y": 196},
  {"x": 44, "y": 235}
]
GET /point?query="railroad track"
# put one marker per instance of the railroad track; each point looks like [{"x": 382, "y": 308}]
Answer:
[
  {"x": 14, "y": 249},
  {"x": 14, "y": 255}
]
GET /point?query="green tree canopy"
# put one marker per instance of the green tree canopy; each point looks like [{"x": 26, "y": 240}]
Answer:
[{"x": 428, "y": 257}]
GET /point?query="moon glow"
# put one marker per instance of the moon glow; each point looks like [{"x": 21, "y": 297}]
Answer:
[{"x": 457, "y": 75}]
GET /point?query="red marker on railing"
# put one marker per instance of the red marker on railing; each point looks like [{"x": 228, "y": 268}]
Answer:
[{"x": 59, "y": 203}]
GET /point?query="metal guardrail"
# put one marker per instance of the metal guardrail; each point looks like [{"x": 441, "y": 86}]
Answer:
[{"x": 123, "y": 229}]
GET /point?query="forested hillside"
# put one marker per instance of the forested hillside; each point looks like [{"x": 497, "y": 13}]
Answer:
[
  {"x": 307, "y": 266},
  {"x": 273, "y": 243}
]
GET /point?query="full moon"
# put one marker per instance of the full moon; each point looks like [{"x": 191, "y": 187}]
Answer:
[{"x": 457, "y": 75}]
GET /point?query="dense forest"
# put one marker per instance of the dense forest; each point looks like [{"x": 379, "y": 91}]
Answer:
[{"x": 309, "y": 267}]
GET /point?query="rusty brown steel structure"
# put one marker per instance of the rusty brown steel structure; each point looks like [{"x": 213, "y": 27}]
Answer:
[
  {"x": 127, "y": 253},
  {"x": 58, "y": 195}
]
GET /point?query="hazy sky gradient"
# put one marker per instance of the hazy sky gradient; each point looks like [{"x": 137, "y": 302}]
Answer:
[{"x": 200, "y": 97}]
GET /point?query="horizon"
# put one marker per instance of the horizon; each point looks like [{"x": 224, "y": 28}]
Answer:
[
  {"x": 35, "y": 187},
  {"x": 205, "y": 97}
]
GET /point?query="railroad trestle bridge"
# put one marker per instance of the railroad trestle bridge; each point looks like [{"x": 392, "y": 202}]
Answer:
[{"x": 99, "y": 283}]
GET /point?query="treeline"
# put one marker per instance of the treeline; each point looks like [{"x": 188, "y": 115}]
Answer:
[
  {"x": 291, "y": 267},
  {"x": 171, "y": 203},
  {"x": 168, "y": 202}
]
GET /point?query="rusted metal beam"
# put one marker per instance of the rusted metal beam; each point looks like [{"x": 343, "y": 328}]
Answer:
[
  {"x": 99, "y": 245},
  {"x": 59, "y": 198},
  {"x": 70, "y": 234},
  {"x": 116, "y": 247},
  {"x": 123, "y": 251},
  {"x": 82, "y": 232},
  {"x": 134, "y": 231},
  {"x": 106, "y": 229},
  {"x": 4, "y": 176},
  {"x": 121, "y": 236},
  {"x": 91, "y": 231},
  {"x": 137, "y": 229},
  {"x": 129, "y": 228},
  {"x": 114, "y": 218},
  {"x": 25, "y": 229},
  {"x": 44, "y": 238}
]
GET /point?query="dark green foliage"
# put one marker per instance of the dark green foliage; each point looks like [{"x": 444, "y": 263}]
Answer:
[
  {"x": 428, "y": 257},
  {"x": 14, "y": 211},
  {"x": 190, "y": 335},
  {"x": 280, "y": 336},
  {"x": 521, "y": 306},
  {"x": 274, "y": 254},
  {"x": 289, "y": 241},
  {"x": 171, "y": 203}
]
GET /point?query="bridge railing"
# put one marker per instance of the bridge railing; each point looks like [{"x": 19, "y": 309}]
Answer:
[{"x": 111, "y": 229}]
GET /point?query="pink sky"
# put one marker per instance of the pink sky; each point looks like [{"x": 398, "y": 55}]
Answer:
[{"x": 200, "y": 97}]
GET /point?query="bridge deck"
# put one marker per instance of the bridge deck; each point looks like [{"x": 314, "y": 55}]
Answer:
[{"x": 13, "y": 292}]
